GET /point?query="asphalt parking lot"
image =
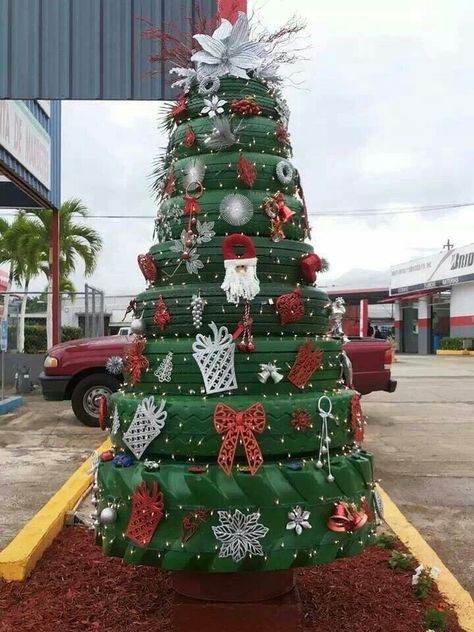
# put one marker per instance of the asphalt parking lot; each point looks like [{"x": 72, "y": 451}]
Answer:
[
  {"x": 41, "y": 444},
  {"x": 422, "y": 436}
]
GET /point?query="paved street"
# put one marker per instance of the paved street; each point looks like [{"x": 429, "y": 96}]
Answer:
[
  {"x": 423, "y": 438},
  {"x": 41, "y": 444}
]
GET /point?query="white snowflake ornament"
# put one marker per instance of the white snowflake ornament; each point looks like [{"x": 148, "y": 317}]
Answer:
[
  {"x": 213, "y": 106},
  {"x": 239, "y": 534},
  {"x": 147, "y": 424},
  {"x": 298, "y": 520}
]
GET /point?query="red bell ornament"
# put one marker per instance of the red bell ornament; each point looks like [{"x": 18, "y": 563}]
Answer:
[
  {"x": 310, "y": 264},
  {"x": 290, "y": 307},
  {"x": 339, "y": 520}
]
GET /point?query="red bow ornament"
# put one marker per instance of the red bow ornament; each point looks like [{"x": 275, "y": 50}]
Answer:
[
  {"x": 135, "y": 361},
  {"x": 235, "y": 426}
]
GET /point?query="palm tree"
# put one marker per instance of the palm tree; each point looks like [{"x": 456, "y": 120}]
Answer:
[
  {"x": 76, "y": 242},
  {"x": 19, "y": 247}
]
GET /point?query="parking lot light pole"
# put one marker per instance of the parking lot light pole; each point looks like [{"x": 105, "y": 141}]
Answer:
[{"x": 54, "y": 260}]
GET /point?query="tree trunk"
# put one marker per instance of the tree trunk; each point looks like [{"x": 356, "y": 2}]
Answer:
[
  {"x": 6, "y": 296},
  {"x": 21, "y": 322}
]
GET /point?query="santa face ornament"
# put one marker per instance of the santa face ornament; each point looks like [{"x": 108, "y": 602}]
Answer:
[{"x": 240, "y": 281}]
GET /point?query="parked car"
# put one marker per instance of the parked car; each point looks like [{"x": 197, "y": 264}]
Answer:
[{"x": 76, "y": 370}]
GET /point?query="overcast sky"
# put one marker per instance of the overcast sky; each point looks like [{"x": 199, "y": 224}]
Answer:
[{"x": 383, "y": 117}]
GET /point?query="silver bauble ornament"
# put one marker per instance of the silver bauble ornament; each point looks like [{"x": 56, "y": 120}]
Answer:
[
  {"x": 108, "y": 515},
  {"x": 137, "y": 326},
  {"x": 236, "y": 209}
]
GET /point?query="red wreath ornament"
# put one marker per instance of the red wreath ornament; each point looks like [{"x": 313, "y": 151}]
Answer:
[
  {"x": 239, "y": 426},
  {"x": 290, "y": 307},
  {"x": 308, "y": 360},
  {"x": 135, "y": 362},
  {"x": 301, "y": 420},
  {"x": 147, "y": 511},
  {"x": 147, "y": 267}
]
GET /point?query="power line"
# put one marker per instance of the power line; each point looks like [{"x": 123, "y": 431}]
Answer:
[{"x": 349, "y": 213}]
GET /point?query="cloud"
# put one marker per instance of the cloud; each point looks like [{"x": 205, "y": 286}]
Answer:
[{"x": 384, "y": 118}]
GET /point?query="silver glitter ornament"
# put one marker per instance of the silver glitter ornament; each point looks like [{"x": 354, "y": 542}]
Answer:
[
  {"x": 284, "y": 172},
  {"x": 108, "y": 515},
  {"x": 137, "y": 326},
  {"x": 236, "y": 209},
  {"x": 114, "y": 365}
]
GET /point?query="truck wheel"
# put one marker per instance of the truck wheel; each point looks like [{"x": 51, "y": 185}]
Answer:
[{"x": 86, "y": 396}]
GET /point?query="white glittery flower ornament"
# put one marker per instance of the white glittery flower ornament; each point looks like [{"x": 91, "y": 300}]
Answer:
[
  {"x": 239, "y": 534},
  {"x": 298, "y": 520},
  {"x": 228, "y": 51},
  {"x": 213, "y": 107}
]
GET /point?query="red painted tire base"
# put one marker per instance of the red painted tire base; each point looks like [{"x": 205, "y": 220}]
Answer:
[
  {"x": 236, "y": 602},
  {"x": 233, "y": 587}
]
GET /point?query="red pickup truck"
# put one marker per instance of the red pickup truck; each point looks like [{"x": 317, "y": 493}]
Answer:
[{"x": 76, "y": 370}]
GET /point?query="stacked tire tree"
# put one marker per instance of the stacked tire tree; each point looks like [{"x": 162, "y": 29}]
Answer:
[{"x": 236, "y": 440}]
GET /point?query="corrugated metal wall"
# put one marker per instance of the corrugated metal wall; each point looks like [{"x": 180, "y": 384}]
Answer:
[{"x": 87, "y": 49}]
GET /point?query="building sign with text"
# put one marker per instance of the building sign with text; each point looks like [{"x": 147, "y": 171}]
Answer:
[
  {"x": 26, "y": 140},
  {"x": 442, "y": 270}
]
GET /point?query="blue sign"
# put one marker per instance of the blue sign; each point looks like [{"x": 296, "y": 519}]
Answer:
[{"x": 3, "y": 335}]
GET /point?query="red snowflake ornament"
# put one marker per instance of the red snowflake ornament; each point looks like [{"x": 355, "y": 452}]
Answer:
[
  {"x": 148, "y": 267},
  {"x": 161, "y": 317},
  {"x": 290, "y": 307},
  {"x": 357, "y": 419},
  {"x": 246, "y": 171},
  {"x": 147, "y": 510},
  {"x": 301, "y": 420},
  {"x": 189, "y": 137},
  {"x": 180, "y": 108},
  {"x": 308, "y": 360},
  {"x": 245, "y": 107},
  {"x": 134, "y": 360}
]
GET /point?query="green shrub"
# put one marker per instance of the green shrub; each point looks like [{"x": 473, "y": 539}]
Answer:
[
  {"x": 35, "y": 339},
  {"x": 435, "y": 620},
  {"x": 451, "y": 344},
  {"x": 401, "y": 561},
  {"x": 385, "y": 541},
  {"x": 70, "y": 333}
]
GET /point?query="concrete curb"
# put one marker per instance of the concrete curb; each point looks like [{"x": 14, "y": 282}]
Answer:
[
  {"x": 448, "y": 585},
  {"x": 19, "y": 558}
]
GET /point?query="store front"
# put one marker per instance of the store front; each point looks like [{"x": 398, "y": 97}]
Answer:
[{"x": 433, "y": 298}]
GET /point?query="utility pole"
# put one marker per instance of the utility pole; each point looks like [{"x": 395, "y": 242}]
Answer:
[{"x": 448, "y": 245}]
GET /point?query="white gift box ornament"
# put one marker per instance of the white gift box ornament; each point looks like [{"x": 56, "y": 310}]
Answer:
[{"x": 215, "y": 359}]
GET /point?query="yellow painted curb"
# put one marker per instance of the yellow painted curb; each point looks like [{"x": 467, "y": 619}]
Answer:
[
  {"x": 452, "y": 590},
  {"x": 19, "y": 558},
  {"x": 453, "y": 352}
]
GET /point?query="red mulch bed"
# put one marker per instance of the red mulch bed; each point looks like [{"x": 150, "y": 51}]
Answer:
[{"x": 74, "y": 588}]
